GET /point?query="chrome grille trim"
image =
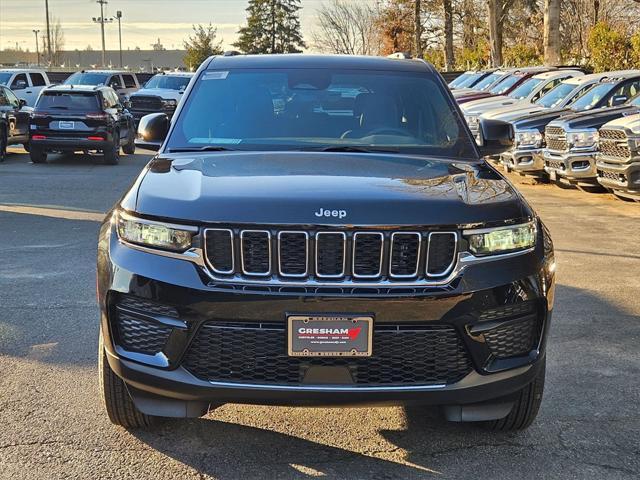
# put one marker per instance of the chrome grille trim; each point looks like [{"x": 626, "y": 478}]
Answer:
[
  {"x": 344, "y": 255},
  {"x": 449, "y": 268},
  {"x": 233, "y": 259},
  {"x": 306, "y": 253},
  {"x": 415, "y": 273},
  {"x": 242, "y": 253},
  {"x": 380, "y": 257}
]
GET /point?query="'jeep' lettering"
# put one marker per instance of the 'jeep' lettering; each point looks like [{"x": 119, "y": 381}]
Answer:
[{"x": 331, "y": 213}]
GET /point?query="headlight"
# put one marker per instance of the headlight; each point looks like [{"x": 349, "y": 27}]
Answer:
[
  {"x": 488, "y": 241},
  {"x": 169, "y": 103},
  {"x": 528, "y": 138},
  {"x": 586, "y": 138},
  {"x": 154, "y": 234}
]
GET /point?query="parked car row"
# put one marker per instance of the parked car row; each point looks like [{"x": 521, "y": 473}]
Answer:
[
  {"x": 92, "y": 111},
  {"x": 569, "y": 128}
]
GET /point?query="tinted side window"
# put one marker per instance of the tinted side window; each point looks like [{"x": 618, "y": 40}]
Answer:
[
  {"x": 628, "y": 90},
  {"x": 114, "y": 81},
  {"x": 129, "y": 82},
  {"x": 37, "y": 80},
  {"x": 20, "y": 81}
]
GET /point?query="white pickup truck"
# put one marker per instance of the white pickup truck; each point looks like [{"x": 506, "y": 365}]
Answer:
[{"x": 26, "y": 83}]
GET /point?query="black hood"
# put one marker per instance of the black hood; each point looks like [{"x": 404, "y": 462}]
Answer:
[
  {"x": 539, "y": 120},
  {"x": 597, "y": 118},
  {"x": 291, "y": 187}
]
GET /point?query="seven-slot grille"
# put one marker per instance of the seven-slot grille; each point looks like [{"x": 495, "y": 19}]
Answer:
[
  {"x": 324, "y": 254},
  {"x": 556, "y": 138},
  {"x": 614, "y": 144}
]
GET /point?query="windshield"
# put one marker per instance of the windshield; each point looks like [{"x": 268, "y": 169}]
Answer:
[
  {"x": 470, "y": 80},
  {"x": 168, "y": 82},
  {"x": 591, "y": 97},
  {"x": 313, "y": 109},
  {"x": 80, "y": 78},
  {"x": 489, "y": 80},
  {"x": 4, "y": 78},
  {"x": 524, "y": 90},
  {"x": 86, "y": 102},
  {"x": 505, "y": 84},
  {"x": 554, "y": 96},
  {"x": 458, "y": 80}
]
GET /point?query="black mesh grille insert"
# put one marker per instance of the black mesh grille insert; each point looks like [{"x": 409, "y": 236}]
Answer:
[
  {"x": 514, "y": 339},
  {"x": 138, "y": 335},
  {"x": 292, "y": 249},
  {"x": 256, "y": 252},
  {"x": 441, "y": 253},
  {"x": 409, "y": 355},
  {"x": 146, "y": 306},
  {"x": 507, "y": 311},
  {"x": 330, "y": 254},
  {"x": 367, "y": 254},
  {"x": 405, "y": 250},
  {"x": 219, "y": 250}
]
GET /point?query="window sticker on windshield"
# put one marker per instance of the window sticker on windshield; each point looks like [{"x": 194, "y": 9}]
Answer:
[
  {"x": 215, "y": 75},
  {"x": 207, "y": 141}
]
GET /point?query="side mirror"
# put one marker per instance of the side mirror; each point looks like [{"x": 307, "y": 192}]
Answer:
[
  {"x": 22, "y": 102},
  {"x": 618, "y": 100},
  {"x": 497, "y": 137},
  {"x": 152, "y": 130}
]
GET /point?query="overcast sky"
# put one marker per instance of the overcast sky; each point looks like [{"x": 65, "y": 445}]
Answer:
[{"x": 143, "y": 21}]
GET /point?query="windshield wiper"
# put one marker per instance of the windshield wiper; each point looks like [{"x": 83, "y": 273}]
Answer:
[
  {"x": 206, "y": 148},
  {"x": 353, "y": 148}
]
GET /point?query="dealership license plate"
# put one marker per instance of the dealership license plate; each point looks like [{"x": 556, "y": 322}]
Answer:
[
  {"x": 553, "y": 176},
  {"x": 330, "y": 335},
  {"x": 66, "y": 125}
]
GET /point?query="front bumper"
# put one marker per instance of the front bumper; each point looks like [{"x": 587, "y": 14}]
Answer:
[
  {"x": 123, "y": 271},
  {"x": 621, "y": 178},
  {"x": 579, "y": 167},
  {"x": 526, "y": 161}
]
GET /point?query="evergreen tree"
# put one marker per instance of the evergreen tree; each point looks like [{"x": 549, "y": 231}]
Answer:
[
  {"x": 273, "y": 26},
  {"x": 201, "y": 45}
]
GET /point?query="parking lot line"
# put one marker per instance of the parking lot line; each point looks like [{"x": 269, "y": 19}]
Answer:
[{"x": 54, "y": 212}]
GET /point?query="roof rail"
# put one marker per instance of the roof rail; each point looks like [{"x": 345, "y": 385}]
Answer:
[{"x": 231, "y": 53}]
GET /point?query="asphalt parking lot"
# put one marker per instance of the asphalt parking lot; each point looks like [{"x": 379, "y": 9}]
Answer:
[{"x": 52, "y": 424}]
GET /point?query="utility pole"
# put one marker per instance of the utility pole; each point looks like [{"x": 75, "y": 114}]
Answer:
[
  {"x": 37, "y": 48},
  {"x": 101, "y": 20},
  {"x": 119, "y": 17},
  {"x": 46, "y": 7}
]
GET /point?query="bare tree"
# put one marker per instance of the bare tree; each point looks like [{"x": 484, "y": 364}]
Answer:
[
  {"x": 551, "y": 40},
  {"x": 347, "y": 28},
  {"x": 417, "y": 27}
]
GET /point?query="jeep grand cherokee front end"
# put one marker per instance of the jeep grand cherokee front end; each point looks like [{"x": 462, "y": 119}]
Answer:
[{"x": 326, "y": 235}]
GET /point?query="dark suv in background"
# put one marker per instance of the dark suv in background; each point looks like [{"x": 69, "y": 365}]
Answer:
[
  {"x": 70, "y": 118},
  {"x": 322, "y": 230}
]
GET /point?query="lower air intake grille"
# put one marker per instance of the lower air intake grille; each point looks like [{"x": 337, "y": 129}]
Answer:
[
  {"x": 138, "y": 335},
  {"x": 514, "y": 339},
  {"x": 402, "y": 355}
]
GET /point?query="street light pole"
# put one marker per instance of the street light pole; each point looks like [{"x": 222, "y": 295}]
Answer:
[
  {"x": 37, "y": 48},
  {"x": 46, "y": 7},
  {"x": 101, "y": 20},
  {"x": 119, "y": 17}
]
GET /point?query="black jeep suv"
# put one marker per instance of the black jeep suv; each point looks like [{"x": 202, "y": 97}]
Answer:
[
  {"x": 69, "y": 118},
  {"x": 322, "y": 231}
]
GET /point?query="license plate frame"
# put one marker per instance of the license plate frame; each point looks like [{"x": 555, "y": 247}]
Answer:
[
  {"x": 330, "y": 335},
  {"x": 553, "y": 175},
  {"x": 66, "y": 125}
]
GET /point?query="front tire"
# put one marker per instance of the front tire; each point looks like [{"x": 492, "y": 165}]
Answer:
[
  {"x": 117, "y": 401},
  {"x": 112, "y": 154},
  {"x": 129, "y": 148},
  {"x": 38, "y": 155},
  {"x": 525, "y": 408}
]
